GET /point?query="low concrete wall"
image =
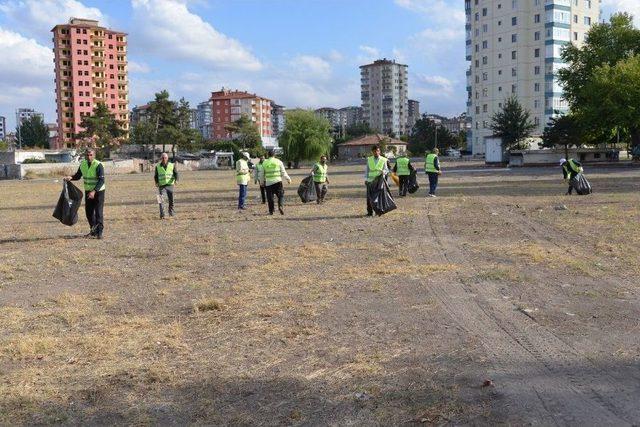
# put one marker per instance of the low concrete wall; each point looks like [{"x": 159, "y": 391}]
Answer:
[{"x": 37, "y": 170}]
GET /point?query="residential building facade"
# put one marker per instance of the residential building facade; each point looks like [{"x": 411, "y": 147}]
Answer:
[
  {"x": 384, "y": 96},
  {"x": 278, "y": 119},
  {"x": 23, "y": 114},
  {"x": 90, "y": 68},
  {"x": 514, "y": 47},
  {"x": 228, "y": 106},
  {"x": 204, "y": 120},
  {"x": 352, "y": 115},
  {"x": 413, "y": 114},
  {"x": 3, "y": 128},
  {"x": 340, "y": 118},
  {"x": 455, "y": 125},
  {"x": 139, "y": 114}
]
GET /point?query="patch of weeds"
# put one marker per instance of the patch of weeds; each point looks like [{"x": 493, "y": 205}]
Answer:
[{"x": 207, "y": 304}]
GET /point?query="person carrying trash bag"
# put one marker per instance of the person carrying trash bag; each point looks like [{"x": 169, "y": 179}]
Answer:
[
  {"x": 243, "y": 174},
  {"x": 571, "y": 170},
  {"x": 320, "y": 179},
  {"x": 403, "y": 169},
  {"x": 432, "y": 169},
  {"x": 274, "y": 172},
  {"x": 376, "y": 166},
  {"x": 258, "y": 178},
  {"x": 166, "y": 177},
  {"x": 92, "y": 173}
]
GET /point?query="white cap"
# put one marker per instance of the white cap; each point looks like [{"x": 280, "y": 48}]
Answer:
[
  {"x": 562, "y": 160},
  {"x": 246, "y": 155}
]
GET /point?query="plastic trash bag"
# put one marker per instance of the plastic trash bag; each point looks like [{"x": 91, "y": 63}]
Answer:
[
  {"x": 307, "y": 190},
  {"x": 66, "y": 210},
  {"x": 412, "y": 185},
  {"x": 380, "y": 196},
  {"x": 581, "y": 185}
]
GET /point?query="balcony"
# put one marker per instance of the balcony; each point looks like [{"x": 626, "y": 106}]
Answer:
[
  {"x": 98, "y": 66},
  {"x": 100, "y": 78},
  {"x": 97, "y": 47}
]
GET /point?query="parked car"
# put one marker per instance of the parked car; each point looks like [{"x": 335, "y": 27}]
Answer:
[{"x": 452, "y": 152}]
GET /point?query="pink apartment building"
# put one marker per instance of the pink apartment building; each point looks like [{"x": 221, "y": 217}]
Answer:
[
  {"x": 228, "y": 106},
  {"x": 91, "y": 67}
]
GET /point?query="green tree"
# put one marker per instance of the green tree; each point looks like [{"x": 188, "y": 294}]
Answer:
[
  {"x": 33, "y": 132},
  {"x": 606, "y": 46},
  {"x": 305, "y": 136},
  {"x": 513, "y": 124},
  {"x": 423, "y": 137},
  {"x": 101, "y": 130},
  {"x": 245, "y": 133},
  {"x": 563, "y": 131},
  {"x": 162, "y": 113}
]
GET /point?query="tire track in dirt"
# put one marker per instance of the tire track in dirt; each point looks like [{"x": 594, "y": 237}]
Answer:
[{"x": 543, "y": 379}]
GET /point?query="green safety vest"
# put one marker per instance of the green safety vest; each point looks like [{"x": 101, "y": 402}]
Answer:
[
  {"x": 571, "y": 167},
  {"x": 242, "y": 172},
  {"x": 272, "y": 171},
  {"x": 320, "y": 173},
  {"x": 260, "y": 171},
  {"x": 402, "y": 166},
  {"x": 375, "y": 168},
  {"x": 165, "y": 176},
  {"x": 90, "y": 175},
  {"x": 430, "y": 163}
]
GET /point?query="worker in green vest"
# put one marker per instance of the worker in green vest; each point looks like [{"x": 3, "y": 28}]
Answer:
[
  {"x": 166, "y": 177},
  {"x": 433, "y": 171},
  {"x": 274, "y": 172},
  {"x": 403, "y": 168},
  {"x": 258, "y": 178},
  {"x": 570, "y": 169},
  {"x": 92, "y": 173},
  {"x": 243, "y": 174},
  {"x": 377, "y": 165},
  {"x": 320, "y": 179}
]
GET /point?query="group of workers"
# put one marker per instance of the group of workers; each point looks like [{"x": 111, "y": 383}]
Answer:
[{"x": 269, "y": 173}]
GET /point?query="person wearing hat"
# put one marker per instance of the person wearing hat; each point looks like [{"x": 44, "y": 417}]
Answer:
[
  {"x": 242, "y": 179},
  {"x": 570, "y": 169},
  {"x": 432, "y": 169}
]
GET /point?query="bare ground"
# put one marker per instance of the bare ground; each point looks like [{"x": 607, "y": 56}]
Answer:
[{"x": 324, "y": 316}]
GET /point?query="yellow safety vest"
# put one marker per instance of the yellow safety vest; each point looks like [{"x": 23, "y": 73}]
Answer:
[
  {"x": 165, "y": 176},
  {"x": 430, "y": 163},
  {"x": 320, "y": 173},
  {"x": 375, "y": 168},
  {"x": 272, "y": 173},
  {"x": 90, "y": 175},
  {"x": 242, "y": 172},
  {"x": 402, "y": 166}
]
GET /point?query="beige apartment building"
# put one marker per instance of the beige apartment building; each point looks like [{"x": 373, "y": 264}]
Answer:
[
  {"x": 384, "y": 94},
  {"x": 91, "y": 68},
  {"x": 515, "y": 48}
]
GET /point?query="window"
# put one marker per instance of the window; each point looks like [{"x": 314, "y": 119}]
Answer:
[
  {"x": 587, "y": 20},
  {"x": 514, "y": 88},
  {"x": 499, "y": 88},
  {"x": 514, "y": 21},
  {"x": 536, "y": 18},
  {"x": 484, "y": 60},
  {"x": 485, "y": 76},
  {"x": 536, "y": 70},
  {"x": 477, "y": 109},
  {"x": 536, "y": 35},
  {"x": 588, "y": 3},
  {"x": 499, "y": 39},
  {"x": 485, "y": 44},
  {"x": 514, "y": 72},
  {"x": 575, "y": 36},
  {"x": 499, "y": 56},
  {"x": 536, "y": 87},
  {"x": 514, "y": 54},
  {"x": 485, "y": 108},
  {"x": 536, "y": 53},
  {"x": 536, "y": 104},
  {"x": 575, "y": 19},
  {"x": 499, "y": 72},
  {"x": 485, "y": 28},
  {"x": 514, "y": 38},
  {"x": 477, "y": 16}
]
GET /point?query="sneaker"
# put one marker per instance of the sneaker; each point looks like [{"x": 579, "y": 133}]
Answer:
[{"x": 370, "y": 214}]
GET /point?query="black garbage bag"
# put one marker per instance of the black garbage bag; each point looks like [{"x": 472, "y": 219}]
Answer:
[
  {"x": 581, "y": 184},
  {"x": 380, "y": 196},
  {"x": 307, "y": 190},
  {"x": 412, "y": 185},
  {"x": 66, "y": 210}
]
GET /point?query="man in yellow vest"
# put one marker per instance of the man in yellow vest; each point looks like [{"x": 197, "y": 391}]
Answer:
[
  {"x": 403, "y": 168},
  {"x": 432, "y": 169},
  {"x": 166, "y": 176},
  {"x": 570, "y": 168},
  {"x": 376, "y": 166},
  {"x": 320, "y": 179},
  {"x": 274, "y": 172},
  {"x": 243, "y": 175},
  {"x": 92, "y": 173},
  {"x": 258, "y": 178}
]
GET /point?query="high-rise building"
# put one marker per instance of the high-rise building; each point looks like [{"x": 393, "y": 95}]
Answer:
[
  {"x": 352, "y": 115},
  {"x": 336, "y": 119},
  {"x": 384, "y": 95},
  {"x": 204, "y": 119},
  {"x": 413, "y": 114},
  {"x": 515, "y": 49},
  {"x": 278, "y": 119},
  {"x": 228, "y": 106},
  {"x": 91, "y": 68},
  {"x": 140, "y": 114},
  {"x": 3, "y": 127}
]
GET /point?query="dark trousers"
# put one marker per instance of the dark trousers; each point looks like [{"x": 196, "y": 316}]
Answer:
[
  {"x": 242, "y": 195},
  {"x": 321, "y": 191},
  {"x": 94, "y": 209},
  {"x": 433, "y": 182},
  {"x": 166, "y": 191},
  {"x": 369, "y": 207},
  {"x": 275, "y": 190},
  {"x": 404, "y": 184},
  {"x": 263, "y": 194}
]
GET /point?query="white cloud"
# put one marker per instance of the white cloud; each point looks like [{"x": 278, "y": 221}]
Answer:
[
  {"x": 138, "y": 67},
  {"x": 311, "y": 66},
  {"x": 368, "y": 54},
  {"x": 449, "y": 13},
  {"x": 631, "y": 6},
  {"x": 335, "y": 56},
  {"x": 169, "y": 28},
  {"x": 430, "y": 85}
]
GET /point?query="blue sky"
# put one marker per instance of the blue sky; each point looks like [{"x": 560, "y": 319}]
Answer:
[{"x": 300, "y": 53}]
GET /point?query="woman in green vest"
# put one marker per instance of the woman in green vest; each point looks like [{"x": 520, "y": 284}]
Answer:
[
  {"x": 166, "y": 176},
  {"x": 320, "y": 179},
  {"x": 243, "y": 175},
  {"x": 92, "y": 173},
  {"x": 570, "y": 169}
]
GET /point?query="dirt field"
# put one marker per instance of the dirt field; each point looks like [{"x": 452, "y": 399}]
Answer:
[{"x": 324, "y": 316}]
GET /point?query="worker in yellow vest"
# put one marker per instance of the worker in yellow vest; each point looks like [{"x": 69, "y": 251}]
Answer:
[
  {"x": 433, "y": 171},
  {"x": 320, "y": 179},
  {"x": 166, "y": 177},
  {"x": 258, "y": 178},
  {"x": 403, "y": 168},
  {"x": 570, "y": 169},
  {"x": 274, "y": 173},
  {"x": 92, "y": 173},
  {"x": 243, "y": 175},
  {"x": 377, "y": 165}
]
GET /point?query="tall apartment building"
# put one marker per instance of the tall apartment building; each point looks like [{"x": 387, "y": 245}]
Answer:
[
  {"x": 352, "y": 115},
  {"x": 91, "y": 68},
  {"x": 413, "y": 114},
  {"x": 228, "y": 106},
  {"x": 278, "y": 119},
  {"x": 204, "y": 119},
  {"x": 336, "y": 119},
  {"x": 3, "y": 128},
  {"x": 514, "y": 47},
  {"x": 384, "y": 95}
]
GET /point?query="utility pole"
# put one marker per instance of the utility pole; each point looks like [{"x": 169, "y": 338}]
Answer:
[{"x": 19, "y": 126}]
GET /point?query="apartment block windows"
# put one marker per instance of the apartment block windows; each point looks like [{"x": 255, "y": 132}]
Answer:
[
  {"x": 514, "y": 4},
  {"x": 536, "y": 35},
  {"x": 485, "y": 44},
  {"x": 536, "y": 87},
  {"x": 536, "y": 104},
  {"x": 514, "y": 21},
  {"x": 485, "y": 108},
  {"x": 514, "y": 88},
  {"x": 587, "y": 20},
  {"x": 485, "y": 77},
  {"x": 484, "y": 60},
  {"x": 575, "y": 36},
  {"x": 536, "y": 53},
  {"x": 514, "y": 72},
  {"x": 485, "y": 28},
  {"x": 575, "y": 19},
  {"x": 536, "y": 18},
  {"x": 536, "y": 70},
  {"x": 588, "y": 3},
  {"x": 514, "y": 38},
  {"x": 484, "y": 11},
  {"x": 514, "y": 54}
]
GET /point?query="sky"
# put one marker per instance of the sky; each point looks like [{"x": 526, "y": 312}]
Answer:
[{"x": 299, "y": 53}]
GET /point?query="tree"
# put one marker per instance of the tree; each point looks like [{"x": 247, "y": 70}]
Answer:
[
  {"x": 513, "y": 124},
  {"x": 564, "y": 131},
  {"x": 245, "y": 133},
  {"x": 423, "y": 137},
  {"x": 305, "y": 136},
  {"x": 163, "y": 115},
  {"x": 606, "y": 46},
  {"x": 101, "y": 130},
  {"x": 33, "y": 132}
]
